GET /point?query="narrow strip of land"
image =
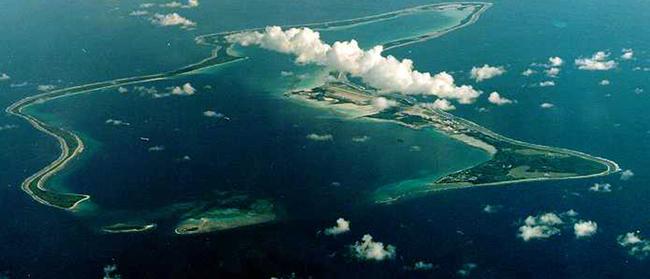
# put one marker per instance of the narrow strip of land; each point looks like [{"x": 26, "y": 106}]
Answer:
[
  {"x": 511, "y": 161},
  {"x": 71, "y": 145}
]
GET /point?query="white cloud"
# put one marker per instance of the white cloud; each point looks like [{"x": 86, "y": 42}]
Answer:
[
  {"x": 628, "y": 54},
  {"x": 173, "y": 4},
  {"x": 323, "y": 137},
  {"x": 176, "y": 4},
  {"x": 4, "y": 76},
  {"x": 496, "y": 99},
  {"x": 214, "y": 114},
  {"x": 146, "y": 5},
  {"x": 555, "y": 61},
  {"x": 601, "y": 187},
  {"x": 584, "y": 229},
  {"x": 382, "y": 103},
  {"x": 552, "y": 72},
  {"x": 547, "y": 83},
  {"x": 342, "y": 226},
  {"x": 549, "y": 224},
  {"x": 441, "y": 104},
  {"x": 543, "y": 226},
  {"x": 636, "y": 245},
  {"x": 368, "y": 249},
  {"x": 45, "y": 87},
  {"x": 627, "y": 175},
  {"x": 638, "y": 90},
  {"x": 172, "y": 19},
  {"x": 490, "y": 209},
  {"x": 138, "y": 13},
  {"x": 486, "y": 72},
  {"x": 597, "y": 62},
  {"x": 385, "y": 73},
  {"x": 466, "y": 269},
  {"x": 192, "y": 3},
  {"x": 156, "y": 148},
  {"x": 110, "y": 272},
  {"x": 421, "y": 265},
  {"x": 184, "y": 90},
  {"x": 122, "y": 89},
  {"x": 360, "y": 138},
  {"x": 605, "y": 82},
  {"x": 547, "y": 105},
  {"x": 528, "y": 72},
  {"x": 116, "y": 122}
]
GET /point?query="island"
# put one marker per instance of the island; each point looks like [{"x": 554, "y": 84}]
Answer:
[
  {"x": 128, "y": 228},
  {"x": 511, "y": 161},
  {"x": 71, "y": 145},
  {"x": 217, "y": 219}
]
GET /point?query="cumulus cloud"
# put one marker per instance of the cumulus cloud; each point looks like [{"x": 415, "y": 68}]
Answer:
[
  {"x": 636, "y": 245},
  {"x": 441, "y": 104},
  {"x": 342, "y": 226},
  {"x": 172, "y": 19},
  {"x": 382, "y": 103},
  {"x": 4, "y": 76},
  {"x": 122, "y": 89},
  {"x": 184, "y": 90},
  {"x": 605, "y": 82},
  {"x": 386, "y": 73},
  {"x": 368, "y": 249},
  {"x": 110, "y": 272},
  {"x": 466, "y": 269},
  {"x": 192, "y": 3},
  {"x": 552, "y": 72},
  {"x": 547, "y": 83},
  {"x": 214, "y": 114},
  {"x": 628, "y": 54},
  {"x": 549, "y": 224},
  {"x": 601, "y": 187},
  {"x": 317, "y": 137},
  {"x": 156, "y": 148},
  {"x": 627, "y": 175},
  {"x": 486, "y": 72},
  {"x": 490, "y": 209},
  {"x": 146, "y": 5},
  {"x": 528, "y": 72},
  {"x": 498, "y": 100},
  {"x": 555, "y": 61},
  {"x": 597, "y": 62},
  {"x": 546, "y": 105},
  {"x": 421, "y": 265},
  {"x": 116, "y": 122},
  {"x": 542, "y": 226},
  {"x": 584, "y": 229},
  {"x": 176, "y": 4},
  {"x": 173, "y": 4},
  {"x": 139, "y": 13}
]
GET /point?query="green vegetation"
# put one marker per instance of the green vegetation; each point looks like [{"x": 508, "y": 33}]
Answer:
[
  {"x": 224, "y": 218},
  {"x": 511, "y": 161}
]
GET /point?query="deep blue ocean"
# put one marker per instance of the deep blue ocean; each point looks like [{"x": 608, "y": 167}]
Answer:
[{"x": 263, "y": 152}]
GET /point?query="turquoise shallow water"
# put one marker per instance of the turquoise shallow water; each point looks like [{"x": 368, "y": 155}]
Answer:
[{"x": 263, "y": 148}]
